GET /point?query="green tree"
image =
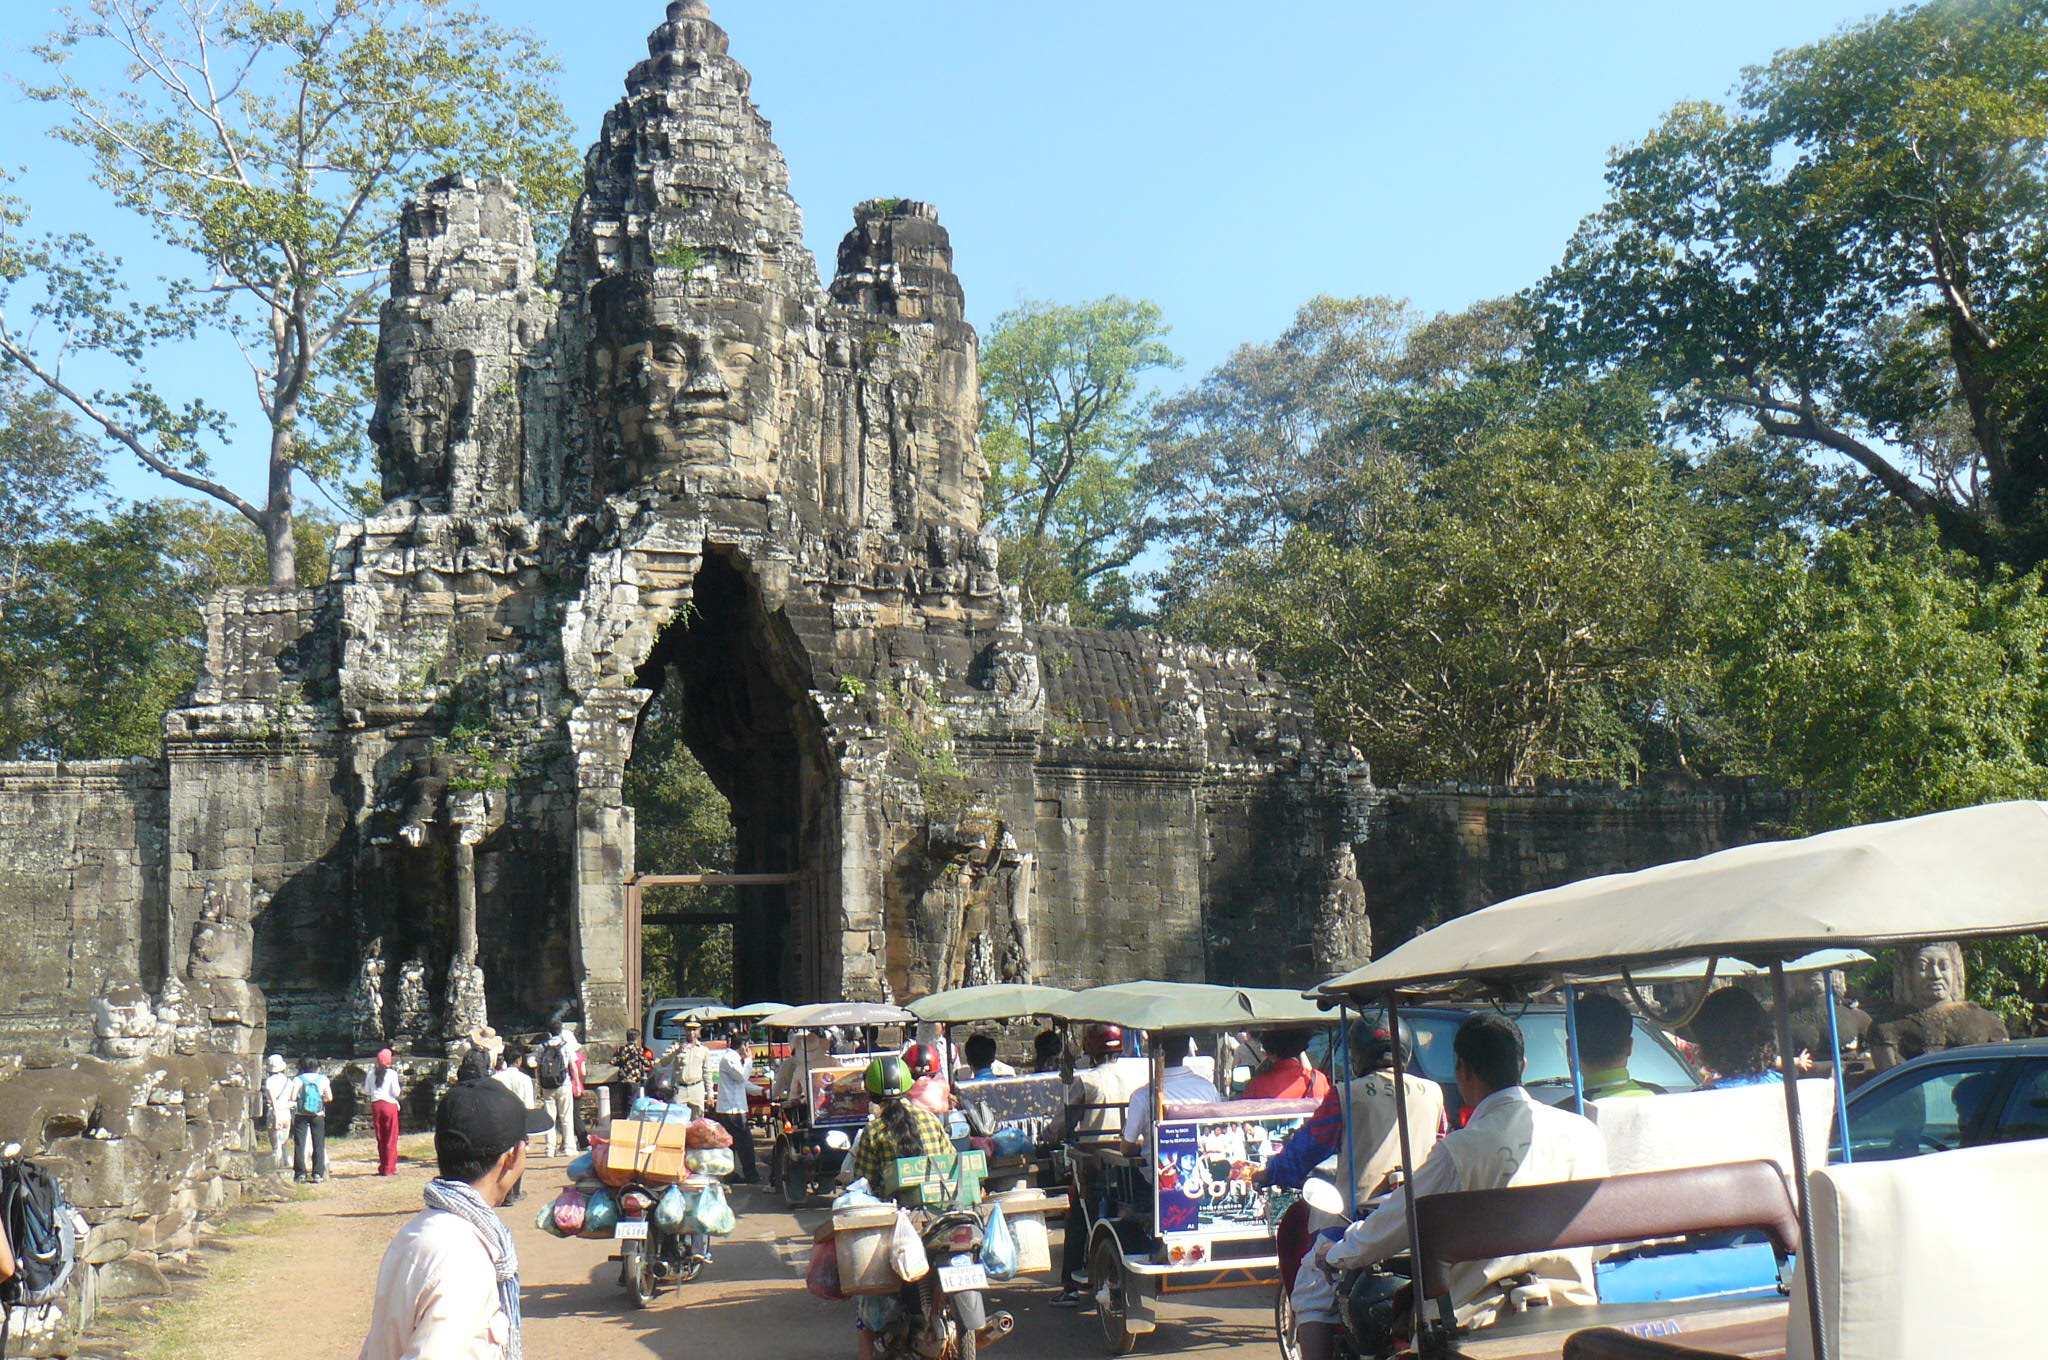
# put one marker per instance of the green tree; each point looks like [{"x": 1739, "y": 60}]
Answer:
[
  {"x": 1854, "y": 257},
  {"x": 108, "y": 631},
  {"x": 681, "y": 824},
  {"x": 1516, "y": 612},
  {"x": 48, "y": 471},
  {"x": 1064, "y": 415},
  {"x": 271, "y": 143}
]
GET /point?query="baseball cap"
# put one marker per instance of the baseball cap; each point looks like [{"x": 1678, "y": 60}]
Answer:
[{"x": 482, "y": 1119}]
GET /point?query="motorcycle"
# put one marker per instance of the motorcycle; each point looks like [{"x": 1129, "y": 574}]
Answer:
[
  {"x": 944, "y": 1316},
  {"x": 654, "y": 1258},
  {"x": 1371, "y": 1304},
  {"x": 805, "y": 1162}
]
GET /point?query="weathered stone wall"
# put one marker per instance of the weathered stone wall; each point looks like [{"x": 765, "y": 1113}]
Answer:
[
  {"x": 82, "y": 891},
  {"x": 1431, "y": 853}
]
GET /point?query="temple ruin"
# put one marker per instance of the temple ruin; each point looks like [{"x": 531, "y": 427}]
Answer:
[{"x": 683, "y": 462}]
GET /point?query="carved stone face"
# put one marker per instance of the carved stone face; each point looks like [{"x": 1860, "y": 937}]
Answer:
[
  {"x": 682, "y": 373},
  {"x": 1936, "y": 975}
]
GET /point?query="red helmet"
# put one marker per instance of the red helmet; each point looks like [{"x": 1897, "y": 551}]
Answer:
[
  {"x": 924, "y": 1060},
  {"x": 1102, "y": 1039}
]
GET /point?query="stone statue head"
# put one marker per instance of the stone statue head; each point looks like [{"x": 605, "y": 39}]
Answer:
[
  {"x": 685, "y": 370},
  {"x": 1934, "y": 974}
]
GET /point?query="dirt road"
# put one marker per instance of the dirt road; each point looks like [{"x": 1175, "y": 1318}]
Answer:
[{"x": 300, "y": 1284}]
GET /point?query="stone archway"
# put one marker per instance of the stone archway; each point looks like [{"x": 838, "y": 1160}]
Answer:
[{"x": 749, "y": 720}]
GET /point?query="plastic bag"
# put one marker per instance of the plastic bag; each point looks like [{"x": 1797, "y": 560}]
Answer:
[
  {"x": 671, "y": 1209},
  {"x": 545, "y": 1221},
  {"x": 855, "y": 1193},
  {"x": 711, "y": 1161},
  {"x": 1009, "y": 1142},
  {"x": 601, "y": 1214},
  {"x": 582, "y": 1169},
  {"x": 906, "y": 1250},
  {"x": 709, "y": 1212},
  {"x": 822, "y": 1278},
  {"x": 707, "y": 1133},
  {"x": 998, "y": 1246},
  {"x": 569, "y": 1208}
]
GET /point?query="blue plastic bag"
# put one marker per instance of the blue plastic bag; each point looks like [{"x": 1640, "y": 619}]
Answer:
[
  {"x": 601, "y": 1215},
  {"x": 1010, "y": 1142},
  {"x": 671, "y": 1209},
  {"x": 998, "y": 1246},
  {"x": 581, "y": 1169}
]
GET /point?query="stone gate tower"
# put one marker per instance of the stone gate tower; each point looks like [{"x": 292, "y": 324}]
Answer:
[{"x": 686, "y": 464}]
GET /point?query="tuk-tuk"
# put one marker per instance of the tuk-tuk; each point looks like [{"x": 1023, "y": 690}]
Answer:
[
  {"x": 827, "y": 1103},
  {"x": 1185, "y": 1212},
  {"x": 1971, "y": 873}
]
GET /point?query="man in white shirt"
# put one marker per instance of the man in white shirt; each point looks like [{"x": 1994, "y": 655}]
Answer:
[
  {"x": 1511, "y": 1138},
  {"x": 277, "y": 1105},
  {"x": 730, "y": 1072},
  {"x": 512, "y": 1079},
  {"x": 1097, "y": 1100},
  {"x": 1179, "y": 1086},
  {"x": 448, "y": 1288}
]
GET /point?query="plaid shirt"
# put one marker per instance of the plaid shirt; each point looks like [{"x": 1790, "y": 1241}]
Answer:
[
  {"x": 879, "y": 1148},
  {"x": 631, "y": 1060}
]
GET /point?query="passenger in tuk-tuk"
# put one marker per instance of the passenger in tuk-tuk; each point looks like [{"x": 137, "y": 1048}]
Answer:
[
  {"x": 1511, "y": 1138},
  {"x": 1182, "y": 1085},
  {"x": 1734, "y": 1035},
  {"x": 1095, "y": 1111},
  {"x": 930, "y": 1088},
  {"x": 1288, "y": 1075},
  {"x": 1375, "y": 1135},
  {"x": 1607, "y": 1038}
]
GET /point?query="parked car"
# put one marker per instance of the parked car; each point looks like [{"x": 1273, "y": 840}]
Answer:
[
  {"x": 1959, "y": 1097},
  {"x": 1655, "y": 1060},
  {"x": 665, "y": 1018}
]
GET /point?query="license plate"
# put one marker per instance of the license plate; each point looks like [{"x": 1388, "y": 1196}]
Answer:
[
  {"x": 630, "y": 1230},
  {"x": 965, "y": 1279}
]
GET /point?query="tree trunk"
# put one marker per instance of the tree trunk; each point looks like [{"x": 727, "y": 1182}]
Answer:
[{"x": 279, "y": 542}]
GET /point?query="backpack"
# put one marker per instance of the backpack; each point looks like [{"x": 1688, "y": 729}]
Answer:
[
  {"x": 40, "y": 1224},
  {"x": 310, "y": 1101},
  {"x": 553, "y": 1067}
]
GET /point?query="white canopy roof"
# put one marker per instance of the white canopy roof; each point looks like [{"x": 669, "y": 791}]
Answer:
[{"x": 1950, "y": 875}]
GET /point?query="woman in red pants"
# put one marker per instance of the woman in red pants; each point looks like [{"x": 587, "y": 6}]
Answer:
[{"x": 384, "y": 1096}]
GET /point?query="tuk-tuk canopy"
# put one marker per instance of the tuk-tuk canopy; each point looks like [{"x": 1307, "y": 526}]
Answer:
[
  {"x": 823, "y": 1013},
  {"x": 1155, "y": 1006},
  {"x": 1693, "y": 970},
  {"x": 755, "y": 1010},
  {"x": 703, "y": 1013},
  {"x": 991, "y": 1001},
  {"x": 1950, "y": 875}
]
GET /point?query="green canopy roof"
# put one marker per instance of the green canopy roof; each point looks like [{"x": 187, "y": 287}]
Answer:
[
  {"x": 755, "y": 1009},
  {"x": 995, "y": 1001},
  {"x": 1189, "y": 1005}
]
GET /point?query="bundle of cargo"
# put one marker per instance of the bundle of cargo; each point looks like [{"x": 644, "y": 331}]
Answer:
[{"x": 664, "y": 1151}]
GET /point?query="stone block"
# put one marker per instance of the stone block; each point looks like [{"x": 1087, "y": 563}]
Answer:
[
  {"x": 109, "y": 1241},
  {"x": 135, "y": 1276}
]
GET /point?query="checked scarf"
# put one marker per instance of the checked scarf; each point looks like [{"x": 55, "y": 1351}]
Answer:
[{"x": 454, "y": 1197}]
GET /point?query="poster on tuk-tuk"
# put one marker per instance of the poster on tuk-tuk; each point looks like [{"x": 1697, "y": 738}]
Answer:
[
  {"x": 1205, "y": 1166},
  {"x": 839, "y": 1095}
]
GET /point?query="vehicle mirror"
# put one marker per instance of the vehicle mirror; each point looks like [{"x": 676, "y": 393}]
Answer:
[{"x": 1321, "y": 1195}]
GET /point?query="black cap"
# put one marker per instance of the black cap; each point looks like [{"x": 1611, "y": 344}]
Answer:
[{"x": 482, "y": 1119}]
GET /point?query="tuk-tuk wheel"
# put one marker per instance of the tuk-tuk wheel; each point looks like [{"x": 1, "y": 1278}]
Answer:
[
  {"x": 1283, "y": 1323},
  {"x": 796, "y": 1183},
  {"x": 1106, "y": 1279}
]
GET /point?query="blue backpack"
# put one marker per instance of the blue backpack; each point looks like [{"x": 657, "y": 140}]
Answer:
[{"x": 310, "y": 1100}]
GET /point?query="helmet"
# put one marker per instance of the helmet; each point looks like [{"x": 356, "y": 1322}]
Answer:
[
  {"x": 1374, "y": 1047},
  {"x": 1102, "y": 1039},
  {"x": 924, "y": 1060},
  {"x": 889, "y": 1077},
  {"x": 1369, "y": 1306}
]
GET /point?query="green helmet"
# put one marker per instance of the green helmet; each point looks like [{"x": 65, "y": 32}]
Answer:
[{"x": 889, "y": 1077}]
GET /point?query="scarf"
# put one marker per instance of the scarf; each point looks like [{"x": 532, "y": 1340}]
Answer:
[{"x": 454, "y": 1197}]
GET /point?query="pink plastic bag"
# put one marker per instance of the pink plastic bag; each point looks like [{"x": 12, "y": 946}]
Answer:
[
  {"x": 569, "y": 1210},
  {"x": 822, "y": 1278}
]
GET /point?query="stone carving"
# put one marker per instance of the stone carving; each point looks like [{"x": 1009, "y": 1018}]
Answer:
[
  {"x": 1343, "y": 931},
  {"x": 1934, "y": 1012},
  {"x": 124, "y": 1021},
  {"x": 367, "y": 1000},
  {"x": 415, "y": 1003},
  {"x": 223, "y": 940}
]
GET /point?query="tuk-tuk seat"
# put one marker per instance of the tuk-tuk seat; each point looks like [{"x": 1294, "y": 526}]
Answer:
[
  {"x": 1609, "y": 1343},
  {"x": 1520, "y": 1220}
]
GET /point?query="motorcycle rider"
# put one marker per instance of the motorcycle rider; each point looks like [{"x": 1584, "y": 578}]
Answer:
[
  {"x": 1377, "y": 1058},
  {"x": 1510, "y": 1138},
  {"x": 897, "y": 1128},
  {"x": 1095, "y": 1103}
]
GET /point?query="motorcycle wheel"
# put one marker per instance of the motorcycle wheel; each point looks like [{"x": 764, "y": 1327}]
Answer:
[
  {"x": 1106, "y": 1280},
  {"x": 964, "y": 1336},
  {"x": 640, "y": 1283},
  {"x": 796, "y": 1184},
  {"x": 1283, "y": 1324}
]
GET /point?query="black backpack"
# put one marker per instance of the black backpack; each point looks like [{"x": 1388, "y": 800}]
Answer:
[
  {"x": 553, "y": 1066},
  {"x": 43, "y": 1232}
]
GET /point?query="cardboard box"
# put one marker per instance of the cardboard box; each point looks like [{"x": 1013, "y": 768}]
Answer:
[
  {"x": 648, "y": 1152},
  {"x": 860, "y": 1236},
  {"x": 953, "y": 1179}
]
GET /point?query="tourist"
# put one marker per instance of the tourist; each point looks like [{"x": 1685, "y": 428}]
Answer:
[
  {"x": 277, "y": 1107},
  {"x": 1096, "y": 1098},
  {"x": 1733, "y": 1035},
  {"x": 1373, "y": 1106},
  {"x": 484, "y": 1048},
  {"x": 1181, "y": 1085},
  {"x": 310, "y": 1094},
  {"x": 1511, "y": 1138},
  {"x": 555, "y": 1075},
  {"x": 385, "y": 1093},
  {"x": 1047, "y": 1052},
  {"x": 633, "y": 1062},
  {"x": 981, "y": 1063},
  {"x": 689, "y": 1063},
  {"x": 511, "y": 1075},
  {"x": 449, "y": 1282},
  {"x": 1607, "y": 1039},
  {"x": 731, "y": 1071},
  {"x": 1287, "y": 1076}
]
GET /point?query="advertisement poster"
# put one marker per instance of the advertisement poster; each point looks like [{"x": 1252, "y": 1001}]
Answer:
[
  {"x": 839, "y": 1095},
  {"x": 1205, "y": 1171}
]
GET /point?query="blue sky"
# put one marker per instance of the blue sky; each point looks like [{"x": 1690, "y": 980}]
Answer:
[{"x": 1228, "y": 161}]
